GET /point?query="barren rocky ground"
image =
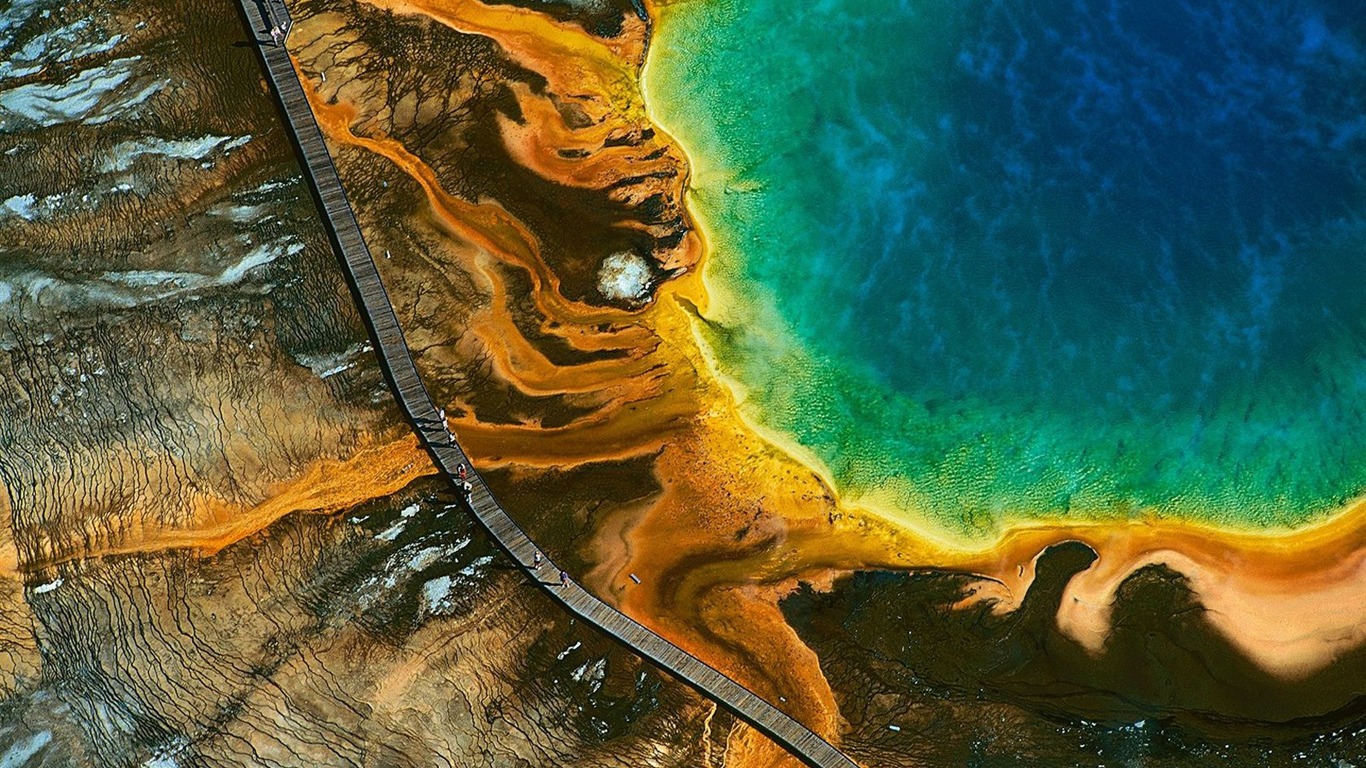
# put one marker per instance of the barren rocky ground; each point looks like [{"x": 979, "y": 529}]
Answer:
[{"x": 222, "y": 546}]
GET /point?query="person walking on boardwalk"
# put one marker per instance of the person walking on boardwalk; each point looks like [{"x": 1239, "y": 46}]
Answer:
[
  {"x": 460, "y": 471},
  {"x": 275, "y": 35},
  {"x": 564, "y": 579},
  {"x": 536, "y": 559}
]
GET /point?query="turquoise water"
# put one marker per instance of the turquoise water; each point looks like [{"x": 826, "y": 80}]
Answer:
[{"x": 1004, "y": 260}]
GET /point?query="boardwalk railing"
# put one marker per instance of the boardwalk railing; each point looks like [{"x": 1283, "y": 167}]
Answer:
[{"x": 262, "y": 16}]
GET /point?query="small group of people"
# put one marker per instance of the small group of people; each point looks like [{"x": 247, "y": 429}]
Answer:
[
  {"x": 426, "y": 424},
  {"x": 462, "y": 476},
  {"x": 461, "y": 473},
  {"x": 277, "y": 32},
  {"x": 450, "y": 437}
]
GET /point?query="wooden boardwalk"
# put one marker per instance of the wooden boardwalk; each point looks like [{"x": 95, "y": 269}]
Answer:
[{"x": 343, "y": 229}]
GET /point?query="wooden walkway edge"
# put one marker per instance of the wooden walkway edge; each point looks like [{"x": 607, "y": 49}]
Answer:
[{"x": 260, "y": 17}]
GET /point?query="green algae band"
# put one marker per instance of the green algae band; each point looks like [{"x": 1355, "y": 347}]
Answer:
[{"x": 1005, "y": 261}]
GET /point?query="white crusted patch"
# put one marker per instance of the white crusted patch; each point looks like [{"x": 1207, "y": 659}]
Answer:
[
  {"x": 49, "y": 104},
  {"x": 435, "y": 593},
  {"x": 392, "y": 532},
  {"x": 330, "y": 365},
  {"x": 43, "y": 589},
  {"x": 126, "y": 153},
  {"x": 67, "y": 43},
  {"x": 23, "y": 206},
  {"x": 239, "y": 213},
  {"x": 134, "y": 287},
  {"x": 16, "y": 13},
  {"x": 625, "y": 277},
  {"x": 24, "y": 750},
  {"x": 29, "y": 208}
]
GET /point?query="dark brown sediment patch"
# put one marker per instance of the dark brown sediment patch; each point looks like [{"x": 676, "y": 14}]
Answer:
[{"x": 1167, "y": 686}]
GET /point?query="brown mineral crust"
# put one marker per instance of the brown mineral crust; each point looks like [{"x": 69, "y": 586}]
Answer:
[
  {"x": 217, "y": 546},
  {"x": 334, "y": 642},
  {"x": 156, "y": 387}
]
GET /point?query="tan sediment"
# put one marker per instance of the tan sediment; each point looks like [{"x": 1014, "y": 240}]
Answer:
[
  {"x": 1291, "y": 601},
  {"x": 1291, "y": 604}
]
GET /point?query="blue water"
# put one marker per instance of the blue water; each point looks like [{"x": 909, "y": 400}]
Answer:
[{"x": 1042, "y": 259}]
